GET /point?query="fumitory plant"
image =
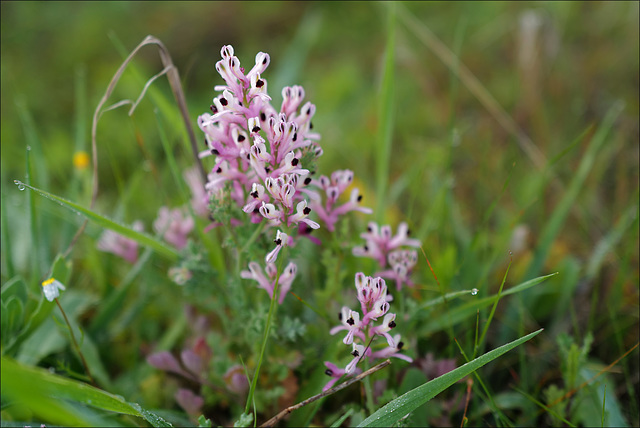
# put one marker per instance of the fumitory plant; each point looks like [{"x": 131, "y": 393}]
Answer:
[{"x": 261, "y": 188}]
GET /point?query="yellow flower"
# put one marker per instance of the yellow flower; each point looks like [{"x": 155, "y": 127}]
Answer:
[{"x": 81, "y": 160}]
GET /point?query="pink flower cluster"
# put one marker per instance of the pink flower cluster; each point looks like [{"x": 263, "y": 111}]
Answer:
[
  {"x": 374, "y": 303},
  {"x": 258, "y": 149},
  {"x": 382, "y": 246},
  {"x": 259, "y": 154}
]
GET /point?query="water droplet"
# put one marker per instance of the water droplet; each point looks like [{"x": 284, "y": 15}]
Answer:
[
  {"x": 20, "y": 185},
  {"x": 28, "y": 148},
  {"x": 474, "y": 291}
]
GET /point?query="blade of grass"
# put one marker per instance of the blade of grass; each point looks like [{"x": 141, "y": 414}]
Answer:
[
  {"x": 8, "y": 269},
  {"x": 610, "y": 241},
  {"x": 61, "y": 270},
  {"x": 171, "y": 161},
  {"x": 159, "y": 99},
  {"x": 33, "y": 227},
  {"x": 342, "y": 418},
  {"x": 559, "y": 215},
  {"x": 487, "y": 395},
  {"x": 140, "y": 237},
  {"x": 493, "y": 311},
  {"x": 604, "y": 397},
  {"x": 386, "y": 113},
  {"x": 30, "y": 385},
  {"x": 295, "y": 54},
  {"x": 108, "y": 309},
  {"x": 447, "y": 297},
  {"x": 464, "y": 311},
  {"x": 422, "y": 32},
  {"x": 401, "y": 406},
  {"x": 548, "y": 409},
  {"x": 602, "y": 249}
]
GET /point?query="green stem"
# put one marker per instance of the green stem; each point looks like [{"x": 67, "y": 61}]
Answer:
[
  {"x": 75, "y": 344},
  {"x": 272, "y": 312}
]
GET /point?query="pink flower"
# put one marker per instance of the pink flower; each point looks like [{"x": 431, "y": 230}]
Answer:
[
  {"x": 380, "y": 242},
  {"x": 190, "y": 402},
  {"x": 392, "y": 351},
  {"x": 258, "y": 149},
  {"x": 268, "y": 282},
  {"x": 199, "y": 199},
  {"x": 374, "y": 300},
  {"x": 333, "y": 188},
  {"x": 282, "y": 240},
  {"x": 336, "y": 373},
  {"x": 174, "y": 225},
  {"x": 402, "y": 263},
  {"x": 236, "y": 380},
  {"x": 120, "y": 245}
]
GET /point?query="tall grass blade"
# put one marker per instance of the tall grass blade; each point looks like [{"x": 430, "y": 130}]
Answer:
[
  {"x": 8, "y": 270},
  {"x": 559, "y": 215},
  {"x": 464, "y": 311},
  {"x": 397, "y": 409},
  {"x": 610, "y": 241},
  {"x": 295, "y": 54},
  {"x": 140, "y": 237},
  {"x": 386, "y": 113},
  {"x": 493, "y": 311}
]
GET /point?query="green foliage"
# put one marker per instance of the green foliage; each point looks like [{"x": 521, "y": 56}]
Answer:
[
  {"x": 44, "y": 393},
  {"x": 401, "y": 406},
  {"x": 488, "y": 127}
]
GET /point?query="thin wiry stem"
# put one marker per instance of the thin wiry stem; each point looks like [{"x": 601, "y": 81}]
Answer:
[
  {"x": 271, "y": 422},
  {"x": 174, "y": 81},
  {"x": 75, "y": 344}
]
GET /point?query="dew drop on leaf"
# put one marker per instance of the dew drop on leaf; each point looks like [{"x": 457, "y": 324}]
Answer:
[{"x": 474, "y": 291}]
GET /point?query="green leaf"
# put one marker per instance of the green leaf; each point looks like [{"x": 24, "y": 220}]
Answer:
[
  {"x": 140, "y": 237},
  {"x": 15, "y": 287},
  {"x": 245, "y": 420},
  {"x": 52, "y": 336},
  {"x": 61, "y": 270},
  {"x": 35, "y": 388},
  {"x": 12, "y": 316},
  {"x": 462, "y": 312},
  {"x": 401, "y": 406}
]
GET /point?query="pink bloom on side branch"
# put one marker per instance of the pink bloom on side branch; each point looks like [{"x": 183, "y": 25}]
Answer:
[
  {"x": 174, "y": 225},
  {"x": 268, "y": 281},
  {"x": 374, "y": 301},
  {"x": 112, "y": 242},
  {"x": 380, "y": 241}
]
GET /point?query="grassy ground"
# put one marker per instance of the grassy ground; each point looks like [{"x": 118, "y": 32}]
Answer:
[{"x": 514, "y": 146}]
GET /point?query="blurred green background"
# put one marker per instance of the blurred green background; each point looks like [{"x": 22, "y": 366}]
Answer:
[{"x": 458, "y": 173}]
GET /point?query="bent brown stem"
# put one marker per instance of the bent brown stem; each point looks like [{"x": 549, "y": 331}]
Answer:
[
  {"x": 174, "y": 81},
  {"x": 271, "y": 422}
]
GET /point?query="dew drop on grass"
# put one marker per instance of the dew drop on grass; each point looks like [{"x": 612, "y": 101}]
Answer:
[
  {"x": 19, "y": 184},
  {"x": 474, "y": 291}
]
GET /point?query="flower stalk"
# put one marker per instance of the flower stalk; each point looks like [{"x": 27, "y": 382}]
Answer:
[{"x": 75, "y": 345}]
